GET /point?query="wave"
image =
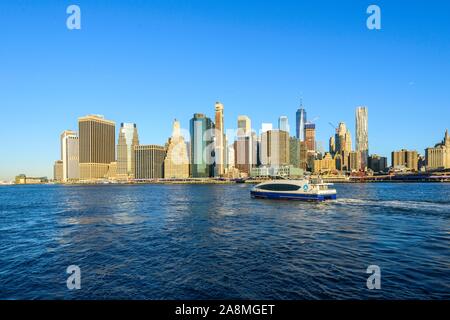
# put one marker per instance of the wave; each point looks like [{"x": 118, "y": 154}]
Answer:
[{"x": 425, "y": 206}]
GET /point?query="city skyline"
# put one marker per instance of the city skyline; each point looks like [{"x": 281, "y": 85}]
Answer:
[{"x": 266, "y": 62}]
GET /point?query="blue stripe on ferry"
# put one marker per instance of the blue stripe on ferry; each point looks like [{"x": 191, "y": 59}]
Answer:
[{"x": 293, "y": 196}]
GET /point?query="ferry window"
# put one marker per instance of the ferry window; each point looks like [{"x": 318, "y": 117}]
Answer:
[{"x": 279, "y": 187}]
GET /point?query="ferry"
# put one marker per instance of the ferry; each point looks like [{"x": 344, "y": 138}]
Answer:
[{"x": 305, "y": 190}]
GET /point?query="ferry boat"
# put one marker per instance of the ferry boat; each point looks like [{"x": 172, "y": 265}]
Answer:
[{"x": 306, "y": 190}]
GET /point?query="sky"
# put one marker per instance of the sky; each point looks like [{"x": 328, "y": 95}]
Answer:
[{"x": 152, "y": 61}]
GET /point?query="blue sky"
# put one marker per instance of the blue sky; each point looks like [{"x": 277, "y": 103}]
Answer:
[{"x": 152, "y": 61}]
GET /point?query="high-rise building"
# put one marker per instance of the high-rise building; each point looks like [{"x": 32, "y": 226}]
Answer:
[
  {"x": 362, "y": 134},
  {"x": 128, "y": 138},
  {"x": 97, "y": 146},
  {"x": 354, "y": 159},
  {"x": 310, "y": 136},
  {"x": 283, "y": 124},
  {"x": 219, "y": 149},
  {"x": 294, "y": 151},
  {"x": 202, "y": 146},
  {"x": 58, "y": 171},
  {"x": 149, "y": 161},
  {"x": 244, "y": 125},
  {"x": 300, "y": 121},
  {"x": 405, "y": 159},
  {"x": 332, "y": 145},
  {"x": 176, "y": 163},
  {"x": 275, "y": 148},
  {"x": 343, "y": 139},
  {"x": 70, "y": 156},
  {"x": 377, "y": 163},
  {"x": 438, "y": 157}
]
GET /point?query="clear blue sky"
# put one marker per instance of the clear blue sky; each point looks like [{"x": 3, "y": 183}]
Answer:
[{"x": 152, "y": 61}]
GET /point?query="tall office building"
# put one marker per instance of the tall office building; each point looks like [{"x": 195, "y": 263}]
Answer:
[
  {"x": 58, "y": 171},
  {"x": 377, "y": 163},
  {"x": 219, "y": 140},
  {"x": 97, "y": 146},
  {"x": 300, "y": 121},
  {"x": 149, "y": 161},
  {"x": 283, "y": 124},
  {"x": 202, "y": 146},
  {"x": 128, "y": 138},
  {"x": 438, "y": 157},
  {"x": 362, "y": 135},
  {"x": 405, "y": 159},
  {"x": 176, "y": 163},
  {"x": 70, "y": 156},
  {"x": 244, "y": 125},
  {"x": 343, "y": 139},
  {"x": 274, "y": 148},
  {"x": 310, "y": 136}
]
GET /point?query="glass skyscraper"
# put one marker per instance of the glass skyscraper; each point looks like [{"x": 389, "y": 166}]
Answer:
[
  {"x": 283, "y": 124},
  {"x": 202, "y": 146},
  {"x": 300, "y": 118}
]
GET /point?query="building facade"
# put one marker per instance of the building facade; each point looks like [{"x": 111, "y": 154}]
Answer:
[
  {"x": 405, "y": 159},
  {"x": 70, "y": 156},
  {"x": 128, "y": 139},
  {"x": 220, "y": 141},
  {"x": 362, "y": 134},
  {"x": 274, "y": 150},
  {"x": 58, "y": 171},
  {"x": 283, "y": 124},
  {"x": 438, "y": 157},
  {"x": 377, "y": 163},
  {"x": 300, "y": 122},
  {"x": 149, "y": 162},
  {"x": 176, "y": 162},
  {"x": 310, "y": 136},
  {"x": 97, "y": 148},
  {"x": 202, "y": 146}
]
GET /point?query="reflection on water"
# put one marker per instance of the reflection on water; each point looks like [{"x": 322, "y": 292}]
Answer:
[{"x": 214, "y": 241}]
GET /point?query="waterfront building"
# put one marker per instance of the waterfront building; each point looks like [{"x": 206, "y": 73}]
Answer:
[
  {"x": 96, "y": 146},
  {"x": 354, "y": 160},
  {"x": 377, "y": 163},
  {"x": 128, "y": 138},
  {"x": 176, "y": 162},
  {"x": 343, "y": 139},
  {"x": 287, "y": 171},
  {"x": 112, "y": 171},
  {"x": 283, "y": 124},
  {"x": 438, "y": 157},
  {"x": 149, "y": 161},
  {"x": 310, "y": 136},
  {"x": 405, "y": 159},
  {"x": 23, "y": 179},
  {"x": 243, "y": 153},
  {"x": 202, "y": 146},
  {"x": 274, "y": 148},
  {"x": 300, "y": 122},
  {"x": 362, "y": 134},
  {"x": 70, "y": 156},
  {"x": 220, "y": 138},
  {"x": 326, "y": 164},
  {"x": 294, "y": 152},
  {"x": 58, "y": 171},
  {"x": 332, "y": 145}
]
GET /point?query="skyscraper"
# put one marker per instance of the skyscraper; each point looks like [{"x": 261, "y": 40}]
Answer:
[
  {"x": 275, "y": 148},
  {"x": 97, "y": 146},
  {"x": 149, "y": 161},
  {"x": 219, "y": 140},
  {"x": 310, "y": 136},
  {"x": 70, "y": 156},
  {"x": 244, "y": 125},
  {"x": 343, "y": 139},
  {"x": 128, "y": 138},
  {"x": 176, "y": 163},
  {"x": 58, "y": 171},
  {"x": 202, "y": 146},
  {"x": 283, "y": 124},
  {"x": 300, "y": 122},
  {"x": 362, "y": 135},
  {"x": 407, "y": 159}
]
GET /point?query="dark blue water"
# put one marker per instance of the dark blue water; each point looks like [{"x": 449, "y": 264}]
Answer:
[{"x": 215, "y": 242}]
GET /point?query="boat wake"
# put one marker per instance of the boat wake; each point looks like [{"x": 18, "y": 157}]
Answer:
[{"x": 407, "y": 205}]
